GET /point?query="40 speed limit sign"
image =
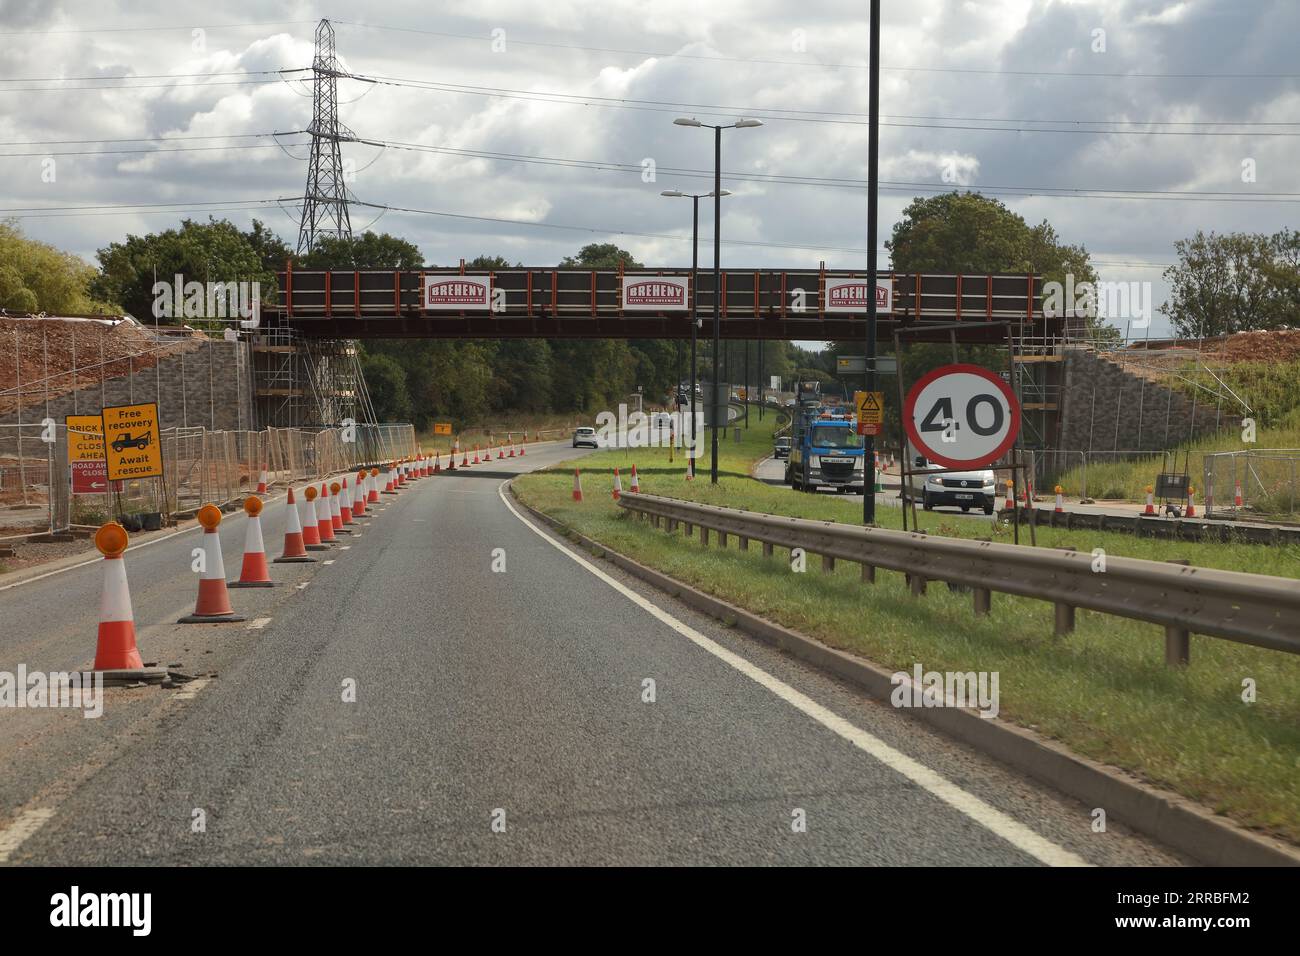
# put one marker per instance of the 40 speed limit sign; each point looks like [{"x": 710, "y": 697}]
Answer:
[{"x": 961, "y": 416}]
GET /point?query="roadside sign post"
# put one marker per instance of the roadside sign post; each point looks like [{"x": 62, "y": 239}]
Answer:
[{"x": 87, "y": 469}]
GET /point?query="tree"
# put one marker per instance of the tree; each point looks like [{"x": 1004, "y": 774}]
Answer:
[
  {"x": 212, "y": 251},
  {"x": 36, "y": 277},
  {"x": 367, "y": 251},
  {"x": 1232, "y": 282},
  {"x": 386, "y": 382}
]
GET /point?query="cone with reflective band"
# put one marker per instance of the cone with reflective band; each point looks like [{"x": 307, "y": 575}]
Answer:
[
  {"x": 618, "y": 485},
  {"x": 295, "y": 542},
  {"x": 388, "y": 482},
  {"x": 1191, "y": 502},
  {"x": 1236, "y": 493},
  {"x": 115, "y": 647},
  {"x": 464, "y": 459},
  {"x": 501, "y": 451},
  {"x": 336, "y": 509},
  {"x": 254, "y": 572},
  {"x": 636, "y": 482},
  {"x": 372, "y": 497},
  {"x": 1060, "y": 499},
  {"x": 213, "y": 604},
  {"x": 521, "y": 447},
  {"x": 577, "y": 486},
  {"x": 325, "y": 515},
  {"x": 261, "y": 483},
  {"x": 476, "y": 461},
  {"x": 345, "y": 505},
  {"x": 1010, "y": 503},
  {"x": 359, "y": 495},
  {"x": 1151, "y": 503},
  {"x": 310, "y": 526},
  {"x": 437, "y": 462}
]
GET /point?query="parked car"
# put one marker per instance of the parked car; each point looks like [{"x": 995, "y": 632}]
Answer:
[
  {"x": 781, "y": 448},
  {"x": 961, "y": 489},
  {"x": 585, "y": 436}
]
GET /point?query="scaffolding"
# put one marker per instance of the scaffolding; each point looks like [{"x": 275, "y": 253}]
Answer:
[{"x": 308, "y": 382}]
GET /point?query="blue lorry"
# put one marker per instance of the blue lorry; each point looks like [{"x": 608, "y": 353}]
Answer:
[{"x": 826, "y": 450}]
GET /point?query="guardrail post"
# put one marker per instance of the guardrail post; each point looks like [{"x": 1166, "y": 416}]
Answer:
[
  {"x": 917, "y": 584},
  {"x": 672, "y": 525},
  {"x": 704, "y": 535},
  {"x": 722, "y": 539},
  {"x": 1064, "y": 618},
  {"x": 1178, "y": 646},
  {"x": 983, "y": 601},
  {"x": 690, "y": 529},
  {"x": 742, "y": 543},
  {"x": 828, "y": 564},
  {"x": 868, "y": 574},
  {"x": 767, "y": 549}
]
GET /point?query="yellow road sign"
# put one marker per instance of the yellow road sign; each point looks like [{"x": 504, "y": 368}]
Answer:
[
  {"x": 871, "y": 407},
  {"x": 131, "y": 441},
  {"x": 442, "y": 428},
  {"x": 85, "y": 437}
]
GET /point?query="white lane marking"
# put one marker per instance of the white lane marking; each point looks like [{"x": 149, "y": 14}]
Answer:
[
  {"x": 303, "y": 585},
  {"x": 191, "y": 690},
  {"x": 992, "y": 819},
  {"x": 330, "y": 561},
  {"x": 258, "y": 623},
  {"x": 345, "y": 547},
  {"x": 14, "y": 835}
]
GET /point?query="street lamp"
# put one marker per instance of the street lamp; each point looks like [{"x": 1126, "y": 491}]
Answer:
[
  {"x": 717, "y": 261},
  {"x": 695, "y": 261}
]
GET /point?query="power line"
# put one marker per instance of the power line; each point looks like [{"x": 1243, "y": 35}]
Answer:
[
  {"x": 146, "y": 76},
  {"x": 136, "y": 86},
  {"x": 187, "y": 28},
  {"x": 145, "y": 152}
]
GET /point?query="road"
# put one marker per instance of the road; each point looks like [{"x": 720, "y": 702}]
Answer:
[{"x": 513, "y": 697}]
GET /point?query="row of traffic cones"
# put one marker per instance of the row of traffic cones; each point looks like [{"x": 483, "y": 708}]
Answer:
[
  {"x": 310, "y": 525},
  {"x": 617, "y": 490}
]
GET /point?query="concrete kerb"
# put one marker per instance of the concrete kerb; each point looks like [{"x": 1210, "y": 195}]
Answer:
[{"x": 1166, "y": 817}]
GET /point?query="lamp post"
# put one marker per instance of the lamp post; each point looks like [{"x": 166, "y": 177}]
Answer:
[
  {"x": 695, "y": 262},
  {"x": 717, "y": 263},
  {"x": 873, "y": 183}
]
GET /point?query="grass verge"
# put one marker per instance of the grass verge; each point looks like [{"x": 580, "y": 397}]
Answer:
[{"x": 1103, "y": 691}]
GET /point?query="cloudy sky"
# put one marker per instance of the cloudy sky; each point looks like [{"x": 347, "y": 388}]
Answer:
[{"x": 1155, "y": 101}]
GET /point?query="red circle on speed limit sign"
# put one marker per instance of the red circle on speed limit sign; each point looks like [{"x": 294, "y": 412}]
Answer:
[{"x": 961, "y": 416}]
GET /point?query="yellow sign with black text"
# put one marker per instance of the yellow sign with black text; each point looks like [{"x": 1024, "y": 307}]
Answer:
[
  {"x": 85, "y": 437},
  {"x": 871, "y": 411},
  {"x": 131, "y": 441},
  {"x": 442, "y": 428}
]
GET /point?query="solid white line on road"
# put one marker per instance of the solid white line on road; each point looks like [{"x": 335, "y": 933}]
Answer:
[
  {"x": 14, "y": 835},
  {"x": 992, "y": 819}
]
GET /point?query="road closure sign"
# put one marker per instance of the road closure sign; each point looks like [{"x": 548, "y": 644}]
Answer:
[
  {"x": 870, "y": 410},
  {"x": 442, "y": 428},
  {"x": 131, "y": 441},
  {"x": 86, "y": 466},
  {"x": 961, "y": 416}
]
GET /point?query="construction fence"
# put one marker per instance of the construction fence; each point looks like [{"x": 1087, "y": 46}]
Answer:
[
  {"x": 199, "y": 465},
  {"x": 1260, "y": 482}
]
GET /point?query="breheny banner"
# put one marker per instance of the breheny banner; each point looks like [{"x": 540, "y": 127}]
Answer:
[
  {"x": 850, "y": 295},
  {"x": 652, "y": 293},
  {"x": 456, "y": 293}
]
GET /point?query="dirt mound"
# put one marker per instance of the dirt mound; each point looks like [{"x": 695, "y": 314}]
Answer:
[
  {"x": 48, "y": 357},
  {"x": 1280, "y": 346}
]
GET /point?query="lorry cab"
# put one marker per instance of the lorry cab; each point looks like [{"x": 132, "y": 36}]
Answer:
[{"x": 826, "y": 452}]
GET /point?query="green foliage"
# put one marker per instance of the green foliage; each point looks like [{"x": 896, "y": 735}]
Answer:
[
  {"x": 366, "y": 251},
  {"x": 36, "y": 277},
  {"x": 1234, "y": 282}
]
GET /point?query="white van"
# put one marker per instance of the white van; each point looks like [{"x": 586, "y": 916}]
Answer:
[{"x": 961, "y": 489}]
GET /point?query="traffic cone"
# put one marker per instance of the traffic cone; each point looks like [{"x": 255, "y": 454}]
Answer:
[
  {"x": 213, "y": 604},
  {"x": 310, "y": 524},
  {"x": 345, "y": 506},
  {"x": 1236, "y": 493},
  {"x": 359, "y": 495},
  {"x": 577, "y": 486},
  {"x": 1151, "y": 502},
  {"x": 372, "y": 497},
  {"x": 1060, "y": 499},
  {"x": 1010, "y": 503},
  {"x": 464, "y": 459},
  {"x": 254, "y": 572},
  {"x": 476, "y": 461},
  {"x": 511, "y": 440},
  {"x": 295, "y": 543},
  {"x": 390, "y": 482},
  {"x": 115, "y": 648},
  {"x": 437, "y": 462},
  {"x": 336, "y": 509},
  {"x": 522, "y": 444},
  {"x": 636, "y": 483},
  {"x": 1191, "y": 502},
  {"x": 261, "y": 483},
  {"x": 618, "y": 485},
  {"x": 325, "y": 515},
  {"x": 690, "y": 468},
  {"x": 501, "y": 451}
]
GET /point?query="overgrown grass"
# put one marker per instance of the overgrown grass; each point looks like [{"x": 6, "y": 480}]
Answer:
[{"x": 1104, "y": 690}]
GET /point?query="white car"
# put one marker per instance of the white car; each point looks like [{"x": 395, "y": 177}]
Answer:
[
  {"x": 585, "y": 436},
  {"x": 961, "y": 489}
]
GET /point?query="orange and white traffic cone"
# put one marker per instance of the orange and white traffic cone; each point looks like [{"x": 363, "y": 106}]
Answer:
[
  {"x": 390, "y": 482},
  {"x": 261, "y": 482},
  {"x": 295, "y": 542},
  {"x": 475, "y": 461},
  {"x": 336, "y": 509},
  {"x": 636, "y": 482},
  {"x": 345, "y": 506},
  {"x": 501, "y": 451},
  {"x": 1010, "y": 503},
  {"x": 115, "y": 648},
  {"x": 359, "y": 496},
  {"x": 310, "y": 523},
  {"x": 372, "y": 481},
  {"x": 690, "y": 468},
  {"x": 577, "y": 486},
  {"x": 1236, "y": 493},
  {"x": 522, "y": 444},
  {"x": 437, "y": 463},
  {"x": 464, "y": 458},
  {"x": 511, "y": 440},
  {"x": 1060, "y": 499},
  {"x": 254, "y": 572},
  {"x": 213, "y": 605},
  {"x": 325, "y": 515},
  {"x": 1191, "y": 502},
  {"x": 618, "y": 485},
  {"x": 1150, "y": 509}
]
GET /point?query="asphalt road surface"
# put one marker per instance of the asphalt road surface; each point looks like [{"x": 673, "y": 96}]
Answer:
[{"x": 499, "y": 717}]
